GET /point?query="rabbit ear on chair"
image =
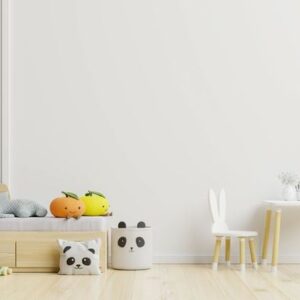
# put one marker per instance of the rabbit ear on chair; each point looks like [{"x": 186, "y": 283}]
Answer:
[
  {"x": 220, "y": 230},
  {"x": 213, "y": 205},
  {"x": 222, "y": 205},
  {"x": 218, "y": 210}
]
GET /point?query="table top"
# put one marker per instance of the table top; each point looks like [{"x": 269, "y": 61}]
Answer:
[{"x": 282, "y": 203}]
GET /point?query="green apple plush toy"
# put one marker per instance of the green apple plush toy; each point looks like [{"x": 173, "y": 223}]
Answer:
[{"x": 95, "y": 204}]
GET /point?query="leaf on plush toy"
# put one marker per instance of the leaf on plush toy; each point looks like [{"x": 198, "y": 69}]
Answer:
[
  {"x": 71, "y": 195},
  {"x": 95, "y": 193}
]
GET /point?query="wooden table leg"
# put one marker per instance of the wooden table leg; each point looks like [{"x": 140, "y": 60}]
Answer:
[
  {"x": 276, "y": 240},
  {"x": 266, "y": 236}
]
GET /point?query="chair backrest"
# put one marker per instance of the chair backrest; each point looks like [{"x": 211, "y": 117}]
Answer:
[{"x": 218, "y": 211}]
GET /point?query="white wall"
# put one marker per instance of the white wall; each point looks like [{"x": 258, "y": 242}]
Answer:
[{"x": 152, "y": 103}]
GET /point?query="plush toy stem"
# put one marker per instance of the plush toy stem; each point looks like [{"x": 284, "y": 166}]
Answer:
[
  {"x": 71, "y": 195},
  {"x": 90, "y": 193}
]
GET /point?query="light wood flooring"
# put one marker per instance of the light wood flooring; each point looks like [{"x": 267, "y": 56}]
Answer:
[{"x": 180, "y": 282}]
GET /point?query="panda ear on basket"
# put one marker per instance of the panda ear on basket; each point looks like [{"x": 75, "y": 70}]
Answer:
[
  {"x": 141, "y": 224},
  {"x": 122, "y": 225}
]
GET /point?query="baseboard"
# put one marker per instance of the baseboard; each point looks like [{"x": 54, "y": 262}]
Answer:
[
  {"x": 206, "y": 259},
  {"x": 202, "y": 259},
  {"x": 181, "y": 259}
]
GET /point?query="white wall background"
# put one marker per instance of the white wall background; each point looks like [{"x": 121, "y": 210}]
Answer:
[{"x": 152, "y": 103}]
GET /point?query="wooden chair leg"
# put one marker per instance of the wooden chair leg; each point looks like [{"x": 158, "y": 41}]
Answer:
[
  {"x": 276, "y": 240},
  {"x": 227, "y": 251},
  {"x": 253, "y": 252},
  {"x": 242, "y": 254},
  {"x": 268, "y": 217},
  {"x": 216, "y": 253}
]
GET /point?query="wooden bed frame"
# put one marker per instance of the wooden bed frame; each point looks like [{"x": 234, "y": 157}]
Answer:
[{"x": 37, "y": 251}]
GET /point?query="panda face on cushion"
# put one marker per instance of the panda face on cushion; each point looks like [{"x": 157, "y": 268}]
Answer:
[
  {"x": 132, "y": 247},
  {"x": 79, "y": 258}
]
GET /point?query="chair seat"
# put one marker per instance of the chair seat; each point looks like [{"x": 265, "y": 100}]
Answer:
[{"x": 236, "y": 233}]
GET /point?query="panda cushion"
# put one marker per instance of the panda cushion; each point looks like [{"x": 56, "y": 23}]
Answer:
[{"x": 79, "y": 258}]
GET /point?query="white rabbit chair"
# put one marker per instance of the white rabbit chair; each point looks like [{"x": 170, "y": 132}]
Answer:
[{"x": 220, "y": 230}]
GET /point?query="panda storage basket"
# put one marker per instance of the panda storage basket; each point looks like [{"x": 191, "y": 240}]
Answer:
[{"x": 131, "y": 248}]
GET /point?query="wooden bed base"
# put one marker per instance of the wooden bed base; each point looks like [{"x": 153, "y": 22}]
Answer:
[{"x": 38, "y": 251}]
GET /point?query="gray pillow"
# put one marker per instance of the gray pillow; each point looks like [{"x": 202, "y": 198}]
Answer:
[
  {"x": 4, "y": 196},
  {"x": 79, "y": 258}
]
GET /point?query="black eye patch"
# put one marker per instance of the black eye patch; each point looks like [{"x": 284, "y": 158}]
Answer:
[
  {"x": 86, "y": 261},
  {"x": 140, "y": 242},
  {"x": 70, "y": 261},
  {"x": 122, "y": 241},
  {"x": 67, "y": 248}
]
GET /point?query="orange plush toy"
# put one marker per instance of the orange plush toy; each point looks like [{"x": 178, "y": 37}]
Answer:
[{"x": 68, "y": 206}]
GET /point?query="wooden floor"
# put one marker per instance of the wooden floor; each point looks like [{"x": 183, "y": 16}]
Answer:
[{"x": 180, "y": 282}]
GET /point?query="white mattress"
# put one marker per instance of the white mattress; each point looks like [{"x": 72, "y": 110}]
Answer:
[{"x": 54, "y": 224}]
